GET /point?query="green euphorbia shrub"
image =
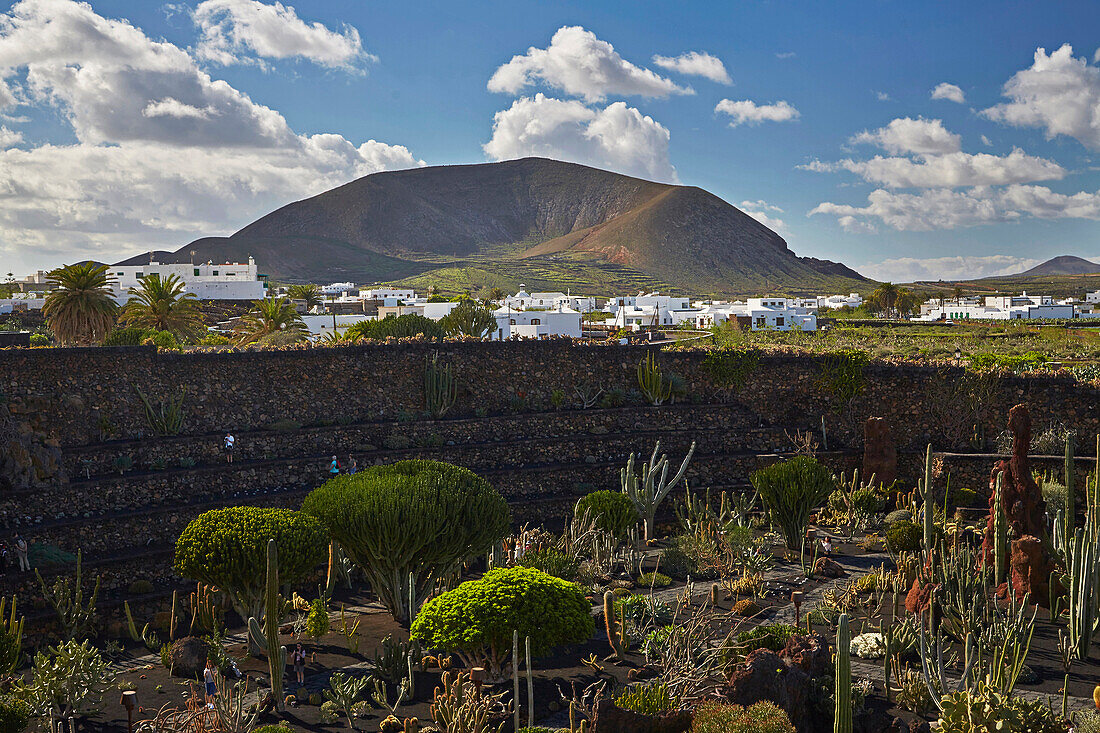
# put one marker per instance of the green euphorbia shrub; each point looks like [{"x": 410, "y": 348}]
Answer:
[
  {"x": 550, "y": 561},
  {"x": 613, "y": 511},
  {"x": 15, "y": 714},
  {"x": 476, "y": 619},
  {"x": 418, "y": 517},
  {"x": 317, "y": 622},
  {"x": 904, "y": 536},
  {"x": 227, "y": 548}
]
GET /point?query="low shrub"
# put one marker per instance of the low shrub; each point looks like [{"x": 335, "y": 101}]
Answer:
[
  {"x": 869, "y": 646},
  {"x": 140, "y": 588},
  {"x": 15, "y": 714},
  {"x": 330, "y": 711},
  {"x": 904, "y": 536},
  {"x": 746, "y": 608},
  {"x": 749, "y": 584},
  {"x": 761, "y": 717},
  {"x": 317, "y": 622},
  {"x": 552, "y": 562},
  {"x": 898, "y": 515},
  {"x": 130, "y": 336},
  {"x": 790, "y": 491},
  {"x": 649, "y": 699},
  {"x": 677, "y": 563},
  {"x": 654, "y": 580},
  {"x": 642, "y": 610},
  {"x": 1016, "y": 363},
  {"x": 962, "y": 496},
  {"x": 769, "y": 636},
  {"x": 612, "y": 511}
]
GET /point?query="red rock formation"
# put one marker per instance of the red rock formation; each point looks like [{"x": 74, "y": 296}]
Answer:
[{"x": 786, "y": 679}]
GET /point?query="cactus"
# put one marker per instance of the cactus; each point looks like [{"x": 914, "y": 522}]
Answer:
[
  {"x": 1000, "y": 534},
  {"x": 645, "y": 490},
  {"x": 515, "y": 675},
  {"x": 14, "y": 630},
  {"x": 276, "y": 655},
  {"x": 530, "y": 686},
  {"x": 614, "y": 630},
  {"x": 842, "y": 716},
  {"x": 204, "y": 610},
  {"x": 1084, "y": 591},
  {"x": 172, "y": 618},
  {"x": 925, "y": 486},
  {"x": 440, "y": 388},
  {"x": 412, "y": 725},
  {"x": 652, "y": 381},
  {"x": 1069, "y": 480},
  {"x": 66, "y": 596}
]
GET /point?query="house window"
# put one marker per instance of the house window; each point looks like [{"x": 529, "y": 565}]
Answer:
[
  {"x": 215, "y": 273},
  {"x": 512, "y": 321},
  {"x": 139, "y": 276},
  {"x": 761, "y": 322},
  {"x": 196, "y": 272},
  {"x": 535, "y": 321},
  {"x": 779, "y": 320}
]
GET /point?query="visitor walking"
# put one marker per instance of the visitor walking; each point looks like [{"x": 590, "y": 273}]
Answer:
[
  {"x": 209, "y": 675},
  {"x": 299, "y": 659},
  {"x": 228, "y": 444},
  {"x": 3, "y": 558},
  {"x": 334, "y": 467},
  {"x": 21, "y": 553},
  {"x": 826, "y": 546},
  {"x": 353, "y": 465}
]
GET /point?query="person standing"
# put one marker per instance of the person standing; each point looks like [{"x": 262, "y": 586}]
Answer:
[
  {"x": 209, "y": 675},
  {"x": 299, "y": 659},
  {"x": 228, "y": 444},
  {"x": 3, "y": 558},
  {"x": 21, "y": 553},
  {"x": 353, "y": 465},
  {"x": 334, "y": 467}
]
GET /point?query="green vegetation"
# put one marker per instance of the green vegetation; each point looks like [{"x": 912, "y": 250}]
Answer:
[
  {"x": 79, "y": 306},
  {"x": 770, "y": 636},
  {"x": 612, "y": 511},
  {"x": 904, "y": 536},
  {"x": 271, "y": 322},
  {"x": 550, "y": 561},
  {"x": 729, "y": 366},
  {"x": 648, "y": 699},
  {"x": 476, "y": 619},
  {"x": 164, "y": 305},
  {"x": 761, "y": 717},
  {"x": 791, "y": 490},
  {"x": 409, "y": 524},
  {"x": 15, "y": 714},
  {"x": 469, "y": 318},
  {"x": 406, "y": 326}
]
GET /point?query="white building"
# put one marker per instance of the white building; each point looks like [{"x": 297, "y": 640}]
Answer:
[
  {"x": 650, "y": 310},
  {"x": 385, "y": 294},
  {"x": 549, "y": 301},
  {"x": 227, "y": 281},
  {"x": 1000, "y": 308},
  {"x": 338, "y": 288},
  {"x": 761, "y": 314},
  {"x": 513, "y": 323},
  {"x": 833, "y": 302},
  {"x": 337, "y": 323}
]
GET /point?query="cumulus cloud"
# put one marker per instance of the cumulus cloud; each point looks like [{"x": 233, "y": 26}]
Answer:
[
  {"x": 232, "y": 31},
  {"x": 747, "y": 111},
  {"x": 785, "y": 55},
  {"x": 948, "y": 171},
  {"x": 581, "y": 65},
  {"x": 163, "y": 152},
  {"x": 8, "y": 138},
  {"x": 763, "y": 212},
  {"x": 617, "y": 137},
  {"x": 910, "y": 269},
  {"x": 947, "y": 209},
  {"x": 696, "y": 63},
  {"x": 950, "y": 92},
  {"x": 1059, "y": 93},
  {"x": 906, "y": 135}
]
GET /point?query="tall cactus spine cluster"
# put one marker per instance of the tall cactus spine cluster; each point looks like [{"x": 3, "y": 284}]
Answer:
[
  {"x": 1000, "y": 533},
  {"x": 440, "y": 388},
  {"x": 652, "y": 382},
  {"x": 615, "y": 630},
  {"x": 650, "y": 487},
  {"x": 268, "y": 635},
  {"x": 1069, "y": 480},
  {"x": 842, "y": 716},
  {"x": 926, "y": 492}
]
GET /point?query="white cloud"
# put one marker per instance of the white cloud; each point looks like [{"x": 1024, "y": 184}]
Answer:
[
  {"x": 163, "y": 152},
  {"x": 948, "y": 171},
  {"x": 747, "y": 111},
  {"x": 581, "y": 65},
  {"x": 882, "y": 96},
  {"x": 1059, "y": 93},
  {"x": 8, "y": 138},
  {"x": 987, "y": 142},
  {"x": 950, "y": 92},
  {"x": 762, "y": 211},
  {"x": 906, "y": 135},
  {"x": 696, "y": 63},
  {"x": 785, "y": 55},
  {"x": 617, "y": 137},
  {"x": 856, "y": 226},
  {"x": 947, "y": 209},
  {"x": 232, "y": 31},
  {"x": 911, "y": 269}
]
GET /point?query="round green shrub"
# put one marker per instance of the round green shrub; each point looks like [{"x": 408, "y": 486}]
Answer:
[
  {"x": 654, "y": 580},
  {"x": 613, "y": 511},
  {"x": 770, "y": 636},
  {"x": 140, "y": 588},
  {"x": 419, "y": 517},
  {"x": 40, "y": 339},
  {"x": 968, "y": 497},
  {"x": 227, "y": 548},
  {"x": 330, "y": 711},
  {"x": 762, "y": 717},
  {"x": 904, "y": 536},
  {"x": 15, "y": 714},
  {"x": 476, "y": 619},
  {"x": 129, "y": 336},
  {"x": 866, "y": 501},
  {"x": 641, "y": 610},
  {"x": 552, "y": 562},
  {"x": 677, "y": 563},
  {"x": 898, "y": 515}
]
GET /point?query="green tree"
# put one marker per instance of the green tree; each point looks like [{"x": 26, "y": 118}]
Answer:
[
  {"x": 406, "y": 326},
  {"x": 411, "y": 518},
  {"x": 612, "y": 511},
  {"x": 164, "y": 305},
  {"x": 906, "y": 302},
  {"x": 79, "y": 306},
  {"x": 884, "y": 298},
  {"x": 271, "y": 319},
  {"x": 476, "y": 619},
  {"x": 310, "y": 293},
  {"x": 497, "y": 294},
  {"x": 469, "y": 318},
  {"x": 791, "y": 490},
  {"x": 227, "y": 548}
]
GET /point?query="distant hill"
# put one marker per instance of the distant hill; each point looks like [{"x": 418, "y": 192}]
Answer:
[
  {"x": 1063, "y": 265},
  {"x": 541, "y": 222}
]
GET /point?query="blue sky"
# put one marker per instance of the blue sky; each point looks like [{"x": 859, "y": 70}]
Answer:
[{"x": 128, "y": 126}]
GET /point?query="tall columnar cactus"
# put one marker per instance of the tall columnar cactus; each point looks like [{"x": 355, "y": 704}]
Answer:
[
  {"x": 925, "y": 486},
  {"x": 440, "y": 388},
  {"x": 614, "y": 629},
  {"x": 646, "y": 490},
  {"x": 269, "y": 635},
  {"x": 1000, "y": 533},
  {"x": 1069, "y": 476},
  {"x": 842, "y": 716},
  {"x": 652, "y": 382},
  {"x": 1084, "y": 591},
  {"x": 13, "y": 627}
]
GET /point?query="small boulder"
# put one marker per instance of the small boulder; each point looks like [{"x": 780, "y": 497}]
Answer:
[{"x": 189, "y": 656}]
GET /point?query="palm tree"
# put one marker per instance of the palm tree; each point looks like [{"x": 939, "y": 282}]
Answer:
[
  {"x": 310, "y": 293},
  {"x": 497, "y": 294},
  {"x": 885, "y": 297},
  {"x": 269, "y": 317},
  {"x": 163, "y": 304},
  {"x": 906, "y": 302},
  {"x": 79, "y": 306}
]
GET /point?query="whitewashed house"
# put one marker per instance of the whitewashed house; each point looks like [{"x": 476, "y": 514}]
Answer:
[
  {"x": 387, "y": 294},
  {"x": 549, "y": 301},
  {"x": 227, "y": 281},
  {"x": 512, "y": 323},
  {"x": 323, "y": 323},
  {"x": 760, "y": 314},
  {"x": 833, "y": 302},
  {"x": 1000, "y": 308}
]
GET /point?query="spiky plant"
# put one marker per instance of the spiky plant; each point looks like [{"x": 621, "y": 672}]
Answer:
[
  {"x": 79, "y": 306},
  {"x": 165, "y": 305},
  {"x": 269, "y": 318}
]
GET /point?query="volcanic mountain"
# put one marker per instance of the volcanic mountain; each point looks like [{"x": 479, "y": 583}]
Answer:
[
  {"x": 541, "y": 222},
  {"x": 1063, "y": 265}
]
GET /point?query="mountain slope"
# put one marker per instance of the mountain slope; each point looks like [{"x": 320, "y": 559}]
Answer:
[
  {"x": 1063, "y": 265},
  {"x": 533, "y": 220}
]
